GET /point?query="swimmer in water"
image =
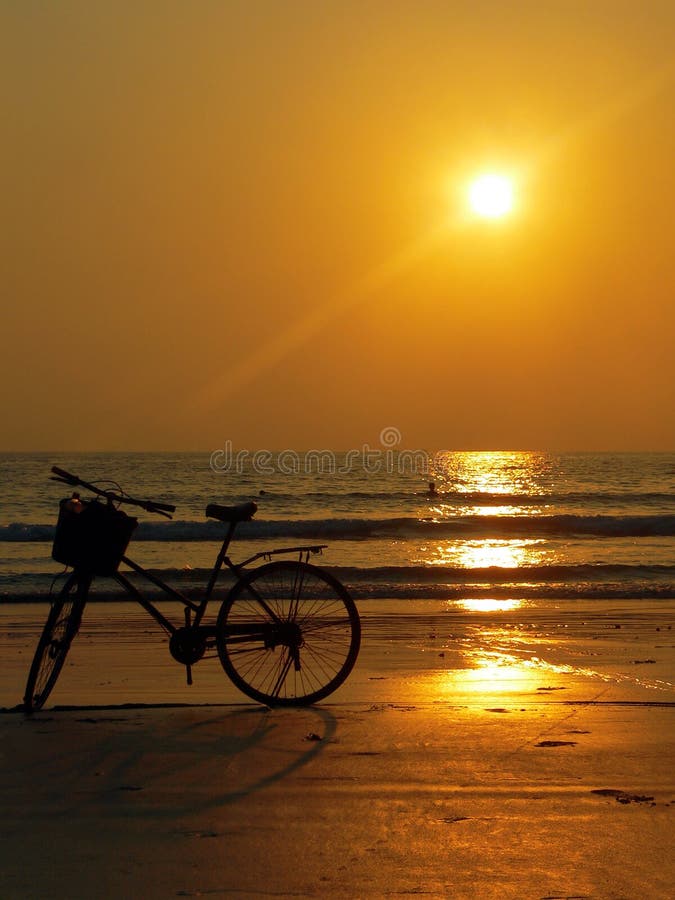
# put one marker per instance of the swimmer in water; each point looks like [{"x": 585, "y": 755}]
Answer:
[{"x": 432, "y": 489}]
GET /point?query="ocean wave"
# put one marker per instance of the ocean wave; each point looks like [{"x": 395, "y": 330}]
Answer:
[
  {"x": 580, "y": 576},
  {"x": 399, "y": 527},
  {"x": 487, "y": 497},
  {"x": 37, "y": 590},
  {"x": 407, "y": 499},
  {"x": 514, "y": 592}
]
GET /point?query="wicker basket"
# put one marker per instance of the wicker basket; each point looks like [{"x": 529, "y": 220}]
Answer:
[{"x": 92, "y": 536}]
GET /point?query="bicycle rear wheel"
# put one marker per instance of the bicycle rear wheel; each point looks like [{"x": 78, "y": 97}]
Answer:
[
  {"x": 288, "y": 634},
  {"x": 57, "y": 635}
]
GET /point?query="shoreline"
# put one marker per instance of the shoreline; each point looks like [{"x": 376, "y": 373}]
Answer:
[{"x": 38, "y": 590}]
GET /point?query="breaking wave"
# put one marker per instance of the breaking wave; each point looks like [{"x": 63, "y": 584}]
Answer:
[{"x": 398, "y": 527}]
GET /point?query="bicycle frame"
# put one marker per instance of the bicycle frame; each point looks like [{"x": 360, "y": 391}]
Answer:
[{"x": 199, "y": 609}]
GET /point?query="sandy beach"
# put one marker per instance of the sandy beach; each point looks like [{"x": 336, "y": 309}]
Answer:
[{"x": 521, "y": 752}]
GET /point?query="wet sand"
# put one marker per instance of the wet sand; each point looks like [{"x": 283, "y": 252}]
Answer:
[{"x": 503, "y": 753}]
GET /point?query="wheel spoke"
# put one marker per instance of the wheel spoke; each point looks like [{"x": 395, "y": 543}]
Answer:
[{"x": 313, "y": 641}]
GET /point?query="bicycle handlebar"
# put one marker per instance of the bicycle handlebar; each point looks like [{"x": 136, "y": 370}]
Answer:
[{"x": 148, "y": 505}]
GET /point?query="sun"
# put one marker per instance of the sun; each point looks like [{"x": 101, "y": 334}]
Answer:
[{"x": 491, "y": 196}]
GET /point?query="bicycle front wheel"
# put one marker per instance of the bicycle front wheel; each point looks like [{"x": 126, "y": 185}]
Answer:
[
  {"x": 57, "y": 635},
  {"x": 288, "y": 634}
]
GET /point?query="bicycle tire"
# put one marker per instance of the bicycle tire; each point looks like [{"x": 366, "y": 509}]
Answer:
[
  {"x": 63, "y": 623},
  {"x": 312, "y": 606}
]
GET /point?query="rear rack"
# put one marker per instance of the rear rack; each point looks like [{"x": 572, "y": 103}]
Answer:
[{"x": 268, "y": 554}]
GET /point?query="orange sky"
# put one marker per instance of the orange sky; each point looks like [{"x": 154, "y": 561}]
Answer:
[{"x": 246, "y": 221}]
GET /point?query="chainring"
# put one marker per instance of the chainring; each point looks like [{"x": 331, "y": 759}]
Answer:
[{"x": 187, "y": 645}]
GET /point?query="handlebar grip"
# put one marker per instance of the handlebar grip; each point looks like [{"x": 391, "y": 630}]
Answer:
[
  {"x": 162, "y": 507},
  {"x": 71, "y": 479}
]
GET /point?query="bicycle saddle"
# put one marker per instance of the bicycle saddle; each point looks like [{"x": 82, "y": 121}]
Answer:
[{"x": 242, "y": 512}]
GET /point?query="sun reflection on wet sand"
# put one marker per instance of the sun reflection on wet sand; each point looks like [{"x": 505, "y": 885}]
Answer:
[
  {"x": 489, "y": 673},
  {"x": 490, "y": 654},
  {"x": 499, "y": 655},
  {"x": 502, "y": 662},
  {"x": 495, "y": 660}
]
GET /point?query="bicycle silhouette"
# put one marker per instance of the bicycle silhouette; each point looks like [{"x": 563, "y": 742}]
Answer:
[{"x": 287, "y": 633}]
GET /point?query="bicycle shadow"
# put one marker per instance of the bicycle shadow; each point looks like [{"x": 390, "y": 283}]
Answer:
[{"x": 164, "y": 762}]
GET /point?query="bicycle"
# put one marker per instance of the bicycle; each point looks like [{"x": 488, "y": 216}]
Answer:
[{"x": 287, "y": 633}]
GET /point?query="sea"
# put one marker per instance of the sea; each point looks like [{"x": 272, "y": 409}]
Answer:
[{"x": 495, "y": 525}]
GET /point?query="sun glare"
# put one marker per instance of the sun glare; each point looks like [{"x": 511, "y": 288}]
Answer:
[{"x": 491, "y": 196}]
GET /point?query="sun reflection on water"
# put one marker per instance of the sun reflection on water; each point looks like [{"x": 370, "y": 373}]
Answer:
[
  {"x": 442, "y": 511},
  {"x": 495, "y": 472},
  {"x": 507, "y": 474},
  {"x": 482, "y": 553},
  {"x": 487, "y": 604}
]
